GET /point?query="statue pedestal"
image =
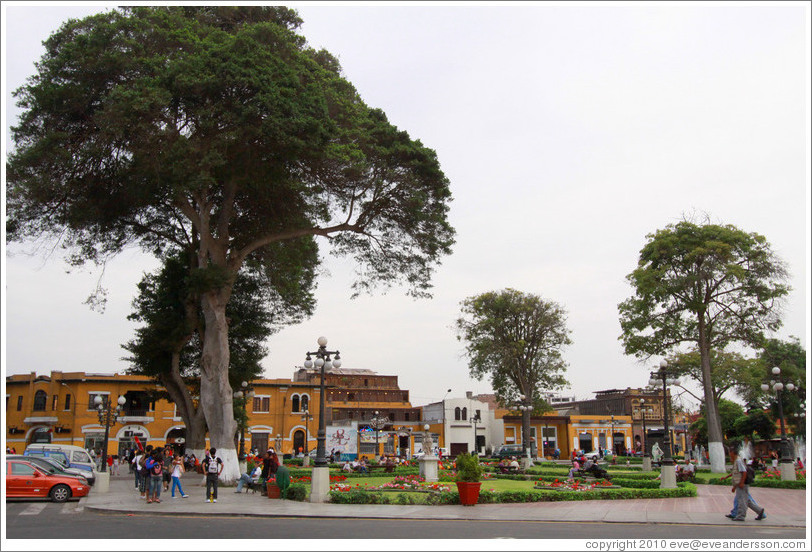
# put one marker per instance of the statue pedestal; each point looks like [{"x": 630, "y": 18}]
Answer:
[
  {"x": 428, "y": 468},
  {"x": 306, "y": 461},
  {"x": 787, "y": 470},
  {"x": 646, "y": 464},
  {"x": 526, "y": 462},
  {"x": 668, "y": 477},
  {"x": 320, "y": 485}
]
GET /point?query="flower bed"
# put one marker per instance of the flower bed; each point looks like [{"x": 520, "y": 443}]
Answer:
[{"x": 574, "y": 485}]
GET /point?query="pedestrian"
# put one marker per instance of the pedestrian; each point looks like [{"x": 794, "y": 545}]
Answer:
[
  {"x": 774, "y": 457},
  {"x": 213, "y": 467},
  {"x": 110, "y": 464},
  {"x": 168, "y": 462},
  {"x": 155, "y": 469},
  {"x": 138, "y": 470},
  {"x": 248, "y": 478},
  {"x": 177, "y": 472},
  {"x": 742, "y": 500}
]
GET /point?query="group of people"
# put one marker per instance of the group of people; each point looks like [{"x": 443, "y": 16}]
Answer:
[
  {"x": 264, "y": 471},
  {"x": 508, "y": 465},
  {"x": 155, "y": 469}
]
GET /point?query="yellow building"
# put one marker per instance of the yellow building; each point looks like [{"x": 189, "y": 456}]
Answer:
[{"x": 60, "y": 408}]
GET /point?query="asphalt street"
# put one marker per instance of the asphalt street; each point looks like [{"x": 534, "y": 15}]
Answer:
[{"x": 44, "y": 520}]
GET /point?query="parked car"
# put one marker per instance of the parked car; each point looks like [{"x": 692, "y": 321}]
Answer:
[
  {"x": 50, "y": 466},
  {"x": 506, "y": 451},
  {"x": 26, "y": 480},
  {"x": 69, "y": 455},
  {"x": 419, "y": 454}
]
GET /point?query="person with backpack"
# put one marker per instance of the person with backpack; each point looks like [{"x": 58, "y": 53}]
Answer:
[
  {"x": 213, "y": 467},
  {"x": 741, "y": 486},
  {"x": 155, "y": 470}
]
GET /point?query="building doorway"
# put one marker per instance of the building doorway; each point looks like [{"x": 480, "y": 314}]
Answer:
[
  {"x": 41, "y": 435},
  {"x": 298, "y": 441},
  {"x": 259, "y": 442},
  {"x": 457, "y": 449},
  {"x": 585, "y": 442}
]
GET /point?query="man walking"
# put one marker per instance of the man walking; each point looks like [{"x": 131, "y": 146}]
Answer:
[
  {"x": 213, "y": 467},
  {"x": 742, "y": 489}
]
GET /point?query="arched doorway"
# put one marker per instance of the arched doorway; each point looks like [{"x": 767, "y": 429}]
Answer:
[
  {"x": 298, "y": 441},
  {"x": 40, "y": 435}
]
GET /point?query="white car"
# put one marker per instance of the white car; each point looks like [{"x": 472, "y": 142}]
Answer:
[{"x": 419, "y": 454}]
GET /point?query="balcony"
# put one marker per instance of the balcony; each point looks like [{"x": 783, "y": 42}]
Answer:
[{"x": 135, "y": 416}]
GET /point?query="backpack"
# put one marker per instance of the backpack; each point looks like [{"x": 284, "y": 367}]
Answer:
[
  {"x": 750, "y": 477},
  {"x": 212, "y": 465},
  {"x": 157, "y": 468}
]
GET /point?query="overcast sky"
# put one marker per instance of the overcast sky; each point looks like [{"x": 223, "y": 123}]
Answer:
[{"x": 568, "y": 133}]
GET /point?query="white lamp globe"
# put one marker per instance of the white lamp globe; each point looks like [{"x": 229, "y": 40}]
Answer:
[
  {"x": 790, "y": 386},
  {"x": 308, "y": 364},
  {"x": 765, "y": 387},
  {"x": 776, "y": 370},
  {"x": 328, "y": 365},
  {"x": 322, "y": 341},
  {"x": 121, "y": 400},
  {"x": 319, "y": 362},
  {"x": 337, "y": 363},
  {"x": 426, "y": 427},
  {"x": 778, "y": 386}
]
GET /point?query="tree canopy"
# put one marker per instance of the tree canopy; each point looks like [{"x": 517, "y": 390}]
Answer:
[
  {"x": 516, "y": 339},
  {"x": 707, "y": 286},
  {"x": 218, "y": 130}
]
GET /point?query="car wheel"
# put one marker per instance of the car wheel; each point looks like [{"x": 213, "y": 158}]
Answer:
[{"x": 60, "y": 493}]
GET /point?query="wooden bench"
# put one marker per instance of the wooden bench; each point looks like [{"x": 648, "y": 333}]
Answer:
[{"x": 388, "y": 468}]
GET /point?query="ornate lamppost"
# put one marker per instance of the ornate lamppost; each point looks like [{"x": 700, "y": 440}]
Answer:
[
  {"x": 665, "y": 377},
  {"x": 246, "y": 392},
  {"x": 320, "y": 480},
  {"x": 107, "y": 418},
  {"x": 443, "y": 436},
  {"x": 475, "y": 420},
  {"x": 643, "y": 411},
  {"x": 307, "y": 416},
  {"x": 377, "y": 423},
  {"x": 778, "y": 385},
  {"x": 611, "y": 434}
]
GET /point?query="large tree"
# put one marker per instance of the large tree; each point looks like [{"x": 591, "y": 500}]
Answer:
[
  {"x": 219, "y": 129},
  {"x": 730, "y": 369},
  {"x": 168, "y": 346},
  {"x": 707, "y": 286},
  {"x": 516, "y": 339}
]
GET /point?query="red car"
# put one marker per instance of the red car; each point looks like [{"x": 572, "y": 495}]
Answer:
[{"x": 26, "y": 480}]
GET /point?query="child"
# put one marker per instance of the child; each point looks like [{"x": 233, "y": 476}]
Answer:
[{"x": 177, "y": 471}]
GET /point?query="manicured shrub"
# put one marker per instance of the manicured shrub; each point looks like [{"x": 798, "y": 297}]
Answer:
[
  {"x": 768, "y": 483},
  {"x": 296, "y": 491}
]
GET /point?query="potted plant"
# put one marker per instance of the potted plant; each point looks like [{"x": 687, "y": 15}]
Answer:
[{"x": 469, "y": 475}]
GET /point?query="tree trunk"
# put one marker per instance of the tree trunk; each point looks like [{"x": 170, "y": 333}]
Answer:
[
  {"x": 716, "y": 450},
  {"x": 216, "y": 397}
]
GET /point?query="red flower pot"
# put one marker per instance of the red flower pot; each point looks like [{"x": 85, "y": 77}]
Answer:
[
  {"x": 469, "y": 492},
  {"x": 273, "y": 490}
]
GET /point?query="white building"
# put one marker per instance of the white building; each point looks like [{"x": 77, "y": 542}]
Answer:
[{"x": 468, "y": 424}]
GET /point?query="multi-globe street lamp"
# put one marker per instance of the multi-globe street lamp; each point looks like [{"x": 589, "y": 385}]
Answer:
[
  {"x": 306, "y": 416},
  {"x": 475, "y": 420},
  {"x": 244, "y": 393},
  {"x": 645, "y": 409},
  {"x": 107, "y": 418},
  {"x": 778, "y": 385},
  {"x": 377, "y": 423},
  {"x": 665, "y": 377},
  {"x": 323, "y": 363}
]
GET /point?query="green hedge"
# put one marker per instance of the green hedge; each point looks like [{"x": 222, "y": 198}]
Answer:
[
  {"x": 769, "y": 483},
  {"x": 638, "y": 483}
]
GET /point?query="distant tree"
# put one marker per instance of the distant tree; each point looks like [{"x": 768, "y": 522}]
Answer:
[
  {"x": 729, "y": 370},
  {"x": 219, "y": 129},
  {"x": 515, "y": 339},
  {"x": 708, "y": 286},
  {"x": 729, "y": 413},
  {"x": 755, "y": 422}
]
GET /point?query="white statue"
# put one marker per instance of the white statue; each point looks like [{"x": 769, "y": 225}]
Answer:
[
  {"x": 428, "y": 444},
  {"x": 656, "y": 452}
]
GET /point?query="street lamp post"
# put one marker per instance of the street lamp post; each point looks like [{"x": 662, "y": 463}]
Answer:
[
  {"x": 378, "y": 422},
  {"x": 785, "y": 462},
  {"x": 320, "y": 479},
  {"x": 444, "y": 396},
  {"x": 646, "y": 457},
  {"x": 243, "y": 394},
  {"x": 307, "y": 416},
  {"x": 665, "y": 377},
  {"x": 107, "y": 417},
  {"x": 475, "y": 420},
  {"x": 611, "y": 434}
]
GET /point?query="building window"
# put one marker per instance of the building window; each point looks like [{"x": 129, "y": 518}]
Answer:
[
  {"x": 406, "y": 417},
  {"x": 19, "y": 403},
  {"x": 262, "y": 404},
  {"x": 40, "y": 400},
  {"x": 294, "y": 403},
  {"x": 366, "y": 383},
  {"x": 91, "y": 399},
  {"x": 305, "y": 402},
  {"x": 457, "y": 413},
  {"x": 67, "y": 401},
  {"x": 55, "y": 402},
  {"x": 478, "y": 415},
  {"x": 350, "y": 397},
  {"x": 464, "y": 414}
]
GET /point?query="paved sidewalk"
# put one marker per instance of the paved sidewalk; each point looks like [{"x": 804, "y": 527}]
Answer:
[{"x": 784, "y": 508}]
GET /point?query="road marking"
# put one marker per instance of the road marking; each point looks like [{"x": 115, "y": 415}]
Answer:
[
  {"x": 69, "y": 508},
  {"x": 34, "y": 509}
]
